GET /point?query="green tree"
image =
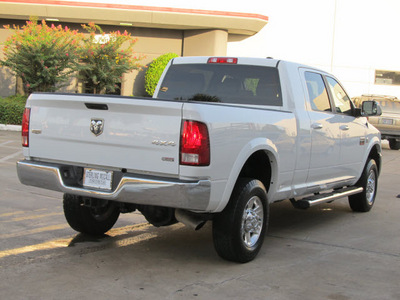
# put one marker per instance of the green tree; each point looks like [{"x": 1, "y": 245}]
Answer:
[
  {"x": 155, "y": 71},
  {"x": 43, "y": 56},
  {"x": 105, "y": 58}
]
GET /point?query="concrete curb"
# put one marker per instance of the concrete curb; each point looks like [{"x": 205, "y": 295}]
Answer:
[{"x": 10, "y": 127}]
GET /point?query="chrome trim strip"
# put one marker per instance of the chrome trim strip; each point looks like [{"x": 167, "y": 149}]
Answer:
[{"x": 194, "y": 195}]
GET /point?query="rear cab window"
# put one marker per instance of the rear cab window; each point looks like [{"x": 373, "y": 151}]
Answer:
[{"x": 233, "y": 83}]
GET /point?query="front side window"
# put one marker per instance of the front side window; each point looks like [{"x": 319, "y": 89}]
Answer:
[
  {"x": 239, "y": 84},
  {"x": 340, "y": 98},
  {"x": 317, "y": 93}
]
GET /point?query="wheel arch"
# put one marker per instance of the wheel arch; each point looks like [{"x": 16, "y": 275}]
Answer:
[
  {"x": 252, "y": 168},
  {"x": 258, "y": 160},
  {"x": 376, "y": 154}
]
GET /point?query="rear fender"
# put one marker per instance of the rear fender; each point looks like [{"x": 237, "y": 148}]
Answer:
[{"x": 258, "y": 144}]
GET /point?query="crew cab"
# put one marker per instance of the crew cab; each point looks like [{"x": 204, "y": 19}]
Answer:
[{"x": 221, "y": 139}]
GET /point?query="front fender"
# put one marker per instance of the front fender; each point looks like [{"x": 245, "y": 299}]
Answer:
[{"x": 375, "y": 151}]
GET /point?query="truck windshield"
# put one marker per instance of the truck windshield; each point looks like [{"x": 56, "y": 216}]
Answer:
[
  {"x": 239, "y": 84},
  {"x": 390, "y": 106}
]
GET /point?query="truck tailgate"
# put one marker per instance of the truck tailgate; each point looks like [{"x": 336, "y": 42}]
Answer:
[{"x": 140, "y": 135}]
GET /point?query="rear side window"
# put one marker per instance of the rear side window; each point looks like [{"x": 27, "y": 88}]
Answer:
[
  {"x": 317, "y": 93},
  {"x": 240, "y": 84}
]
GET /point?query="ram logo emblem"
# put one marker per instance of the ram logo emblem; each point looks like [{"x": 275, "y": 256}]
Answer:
[{"x": 97, "y": 126}]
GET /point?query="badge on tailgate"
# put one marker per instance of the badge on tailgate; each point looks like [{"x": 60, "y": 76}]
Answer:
[{"x": 96, "y": 126}]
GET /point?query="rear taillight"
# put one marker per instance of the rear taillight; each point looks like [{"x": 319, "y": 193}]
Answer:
[
  {"x": 25, "y": 127},
  {"x": 195, "y": 144},
  {"x": 222, "y": 60}
]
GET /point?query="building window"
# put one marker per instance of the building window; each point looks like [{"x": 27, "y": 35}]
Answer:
[{"x": 387, "y": 77}]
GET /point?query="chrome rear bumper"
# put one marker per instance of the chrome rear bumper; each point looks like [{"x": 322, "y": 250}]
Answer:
[{"x": 131, "y": 188}]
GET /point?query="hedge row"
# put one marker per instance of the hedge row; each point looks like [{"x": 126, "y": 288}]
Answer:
[
  {"x": 11, "y": 109},
  {"x": 155, "y": 71}
]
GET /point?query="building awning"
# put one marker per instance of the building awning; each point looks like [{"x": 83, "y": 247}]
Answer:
[{"x": 133, "y": 15}]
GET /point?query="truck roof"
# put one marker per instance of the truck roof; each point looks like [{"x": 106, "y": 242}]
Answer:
[
  {"x": 258, "y": 61},
  {"x": 269, "y": 62}
]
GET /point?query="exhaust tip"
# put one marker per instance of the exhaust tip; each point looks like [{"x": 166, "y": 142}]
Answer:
[{"x": 190, "y": 219}]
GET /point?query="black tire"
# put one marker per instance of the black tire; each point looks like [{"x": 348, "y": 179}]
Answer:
[
  {"x": 364, "y": 201},
  {"x": 239, "y": 236},
  {"x": 394, "y": 144},
  {"x": 84, "y": 219}
]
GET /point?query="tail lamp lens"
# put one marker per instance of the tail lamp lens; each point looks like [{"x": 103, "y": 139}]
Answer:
[
  {"x": 25, "y": 127},
  {"x": 195, "y": 144}
]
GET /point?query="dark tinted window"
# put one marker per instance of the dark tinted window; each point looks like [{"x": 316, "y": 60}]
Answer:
[{"x": 240, "y": 84}]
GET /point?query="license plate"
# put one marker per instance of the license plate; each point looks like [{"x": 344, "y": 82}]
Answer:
[
  {"x": 387, "y": 121},
  {"x": 97, "y": 179}
]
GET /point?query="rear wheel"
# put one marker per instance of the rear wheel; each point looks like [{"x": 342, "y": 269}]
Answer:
[
  {"x": 94, "y": 220},
  {"x": 394, "y": 144},
  {"x": 364, "y": 201},
  {"x": 238, "y": 231}
]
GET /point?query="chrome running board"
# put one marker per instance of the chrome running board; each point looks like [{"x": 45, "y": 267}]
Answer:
[{"x": 326, "y": 197}]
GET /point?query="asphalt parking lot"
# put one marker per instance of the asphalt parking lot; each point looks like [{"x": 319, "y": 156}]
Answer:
[{"x": 326, "y": 252}]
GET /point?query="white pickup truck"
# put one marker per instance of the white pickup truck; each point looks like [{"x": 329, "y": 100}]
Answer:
[{"x": 221, "y": 139}]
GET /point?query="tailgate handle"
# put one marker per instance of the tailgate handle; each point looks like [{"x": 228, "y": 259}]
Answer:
[{"x": 97, "y": 106}]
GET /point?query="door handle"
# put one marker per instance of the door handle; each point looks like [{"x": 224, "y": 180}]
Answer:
[
  {"x": 344, "y": 127},
  {"x": 317, "y": 126}
]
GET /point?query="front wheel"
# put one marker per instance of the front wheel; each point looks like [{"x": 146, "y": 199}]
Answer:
[
  {"x": 238, "y": 231},
  {"x": 91, "y": 220},
  {"x": 364, "y": 201}
]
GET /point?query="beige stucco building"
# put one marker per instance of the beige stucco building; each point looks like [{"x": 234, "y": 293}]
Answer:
[{"x": 160, "y": 30}]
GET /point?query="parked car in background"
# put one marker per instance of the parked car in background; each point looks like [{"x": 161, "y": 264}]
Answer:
[{"x": 389, "y": 122}]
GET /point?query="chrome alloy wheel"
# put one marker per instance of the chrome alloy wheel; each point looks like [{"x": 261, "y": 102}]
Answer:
[
  {"x": 370, "y": 188},
  {"x": 252, "y": 221}
]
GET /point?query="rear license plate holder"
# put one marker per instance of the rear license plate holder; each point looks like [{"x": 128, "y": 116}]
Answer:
[{"x": 97, "y": 179}]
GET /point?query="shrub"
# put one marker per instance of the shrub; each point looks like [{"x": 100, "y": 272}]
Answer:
[
  {"x": 44, "y": 57},
  {"x": 11, "y": 109},
  {"x": 155, "y": 70},
  {"x": 105, "y": 60}
]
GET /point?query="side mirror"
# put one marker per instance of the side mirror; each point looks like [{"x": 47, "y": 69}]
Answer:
[{"x": 371, "y": 108}]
